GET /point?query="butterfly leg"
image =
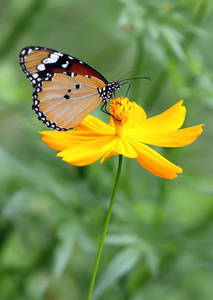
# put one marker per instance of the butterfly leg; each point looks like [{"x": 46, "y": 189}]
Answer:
[
  {"x": 104, "y": 109},
  {"x": 129, "y": 85}
]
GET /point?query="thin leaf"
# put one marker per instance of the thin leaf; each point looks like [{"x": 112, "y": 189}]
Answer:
[
  {"x": 64, "y": 249},
  {"x": 122, "y": 263}
]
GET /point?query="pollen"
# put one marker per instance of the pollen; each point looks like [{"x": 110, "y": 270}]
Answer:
[{"x": 120, "y": 110}]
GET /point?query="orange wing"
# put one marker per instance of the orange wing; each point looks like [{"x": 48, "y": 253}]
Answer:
[
  {"x": 37, "y": 62},
  {"x": 64, "y": 100}
]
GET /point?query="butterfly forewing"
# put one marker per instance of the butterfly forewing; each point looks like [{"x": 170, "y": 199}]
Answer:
[{"x": 38, "y": 61}]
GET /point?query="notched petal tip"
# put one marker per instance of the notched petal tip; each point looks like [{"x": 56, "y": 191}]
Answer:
[
  {"x": 155, "y": 163},
  {"x": 169, "y": 120}
]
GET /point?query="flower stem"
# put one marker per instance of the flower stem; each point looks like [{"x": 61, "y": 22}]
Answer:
[{"x": 101, "y": 244}]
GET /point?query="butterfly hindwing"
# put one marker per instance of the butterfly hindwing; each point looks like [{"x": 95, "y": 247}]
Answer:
[{"x": 64, "y": 100}]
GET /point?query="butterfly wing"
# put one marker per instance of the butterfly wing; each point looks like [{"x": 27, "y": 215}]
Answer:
[
  {"x": 64, "y": 101},
  {"x": 37, "y": 62},
  {"x": 66, "y": 89}
]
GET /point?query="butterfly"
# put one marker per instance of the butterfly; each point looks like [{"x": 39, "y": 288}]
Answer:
[{"x": 66, "y": 89}]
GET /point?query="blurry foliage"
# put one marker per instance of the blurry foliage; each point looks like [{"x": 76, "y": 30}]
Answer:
[{"x": 159, "y": 244}]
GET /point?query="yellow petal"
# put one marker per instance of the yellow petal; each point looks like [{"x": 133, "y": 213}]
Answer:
[
  {"x": 57, "y": 140},
  {"x": 170, "y": 120},
  {"x": 87, "y": 151},
  {"x": 120, "y": 146},
  {"x": 90, "y": 126},
  {"x": 93, "y": 124},
  {"x": 137, "y": 116},
  {"x": 111, "y": 123},
  {"x": 154, "y": 162},
  {"x": 177, "y": 138}
]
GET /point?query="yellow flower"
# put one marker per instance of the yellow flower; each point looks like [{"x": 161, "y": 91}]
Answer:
[{"x": 128, "y": 132}]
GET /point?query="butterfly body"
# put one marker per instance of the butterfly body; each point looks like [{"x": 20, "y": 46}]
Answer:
[{"x": 65, "y": 88}]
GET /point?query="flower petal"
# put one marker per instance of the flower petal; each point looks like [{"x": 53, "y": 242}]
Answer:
[
  {"x": 137, "y": 116},
  {"x": 154, "y": 162},
  {"x": 93, "y": 124},
  {"x": 177, "y": 138},
  {"x": 57, "y": 140},
  {"x": 90, "y": 126},
  {"x": 87, "y": 151},
  {"x": 120, "y": 146},
  {"x": 170, "y": 120}
]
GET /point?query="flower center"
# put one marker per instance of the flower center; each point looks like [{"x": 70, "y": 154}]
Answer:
[{"x": 120, "y": 109}]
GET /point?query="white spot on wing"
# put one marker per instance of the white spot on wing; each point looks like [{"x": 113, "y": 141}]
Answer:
[
  {"x": 41, "y": 67},
  {"x": 65, "y": 65},
  {"x": 54, "y": 56},
  {"x": 50, "y": 60},
  {"x": 59, "y": 53},
  {"x": 35, "y": 75}
]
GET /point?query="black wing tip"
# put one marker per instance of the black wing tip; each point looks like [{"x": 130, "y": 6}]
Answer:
[
  {"x": 28, "y": 49},
  {"x": 25, "y": 51}
]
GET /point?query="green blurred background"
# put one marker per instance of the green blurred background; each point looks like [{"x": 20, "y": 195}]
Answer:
[{"x": 159, "y": 244}]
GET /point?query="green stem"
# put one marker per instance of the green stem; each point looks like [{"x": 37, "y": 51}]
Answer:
[{"x": 101, "y": 244}]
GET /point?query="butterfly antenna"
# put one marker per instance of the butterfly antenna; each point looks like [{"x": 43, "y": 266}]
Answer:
[
  {"x": 144, "y": 77},
  {"x": 119, "y": 80},
  {"x": 125, "y": 81}
]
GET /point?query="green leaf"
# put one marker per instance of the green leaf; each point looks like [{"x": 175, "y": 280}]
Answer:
[
  {"x": 17, "y": 202},
  {"x": 122, "y": 263},
  {"x": 64, "y": 249}
]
